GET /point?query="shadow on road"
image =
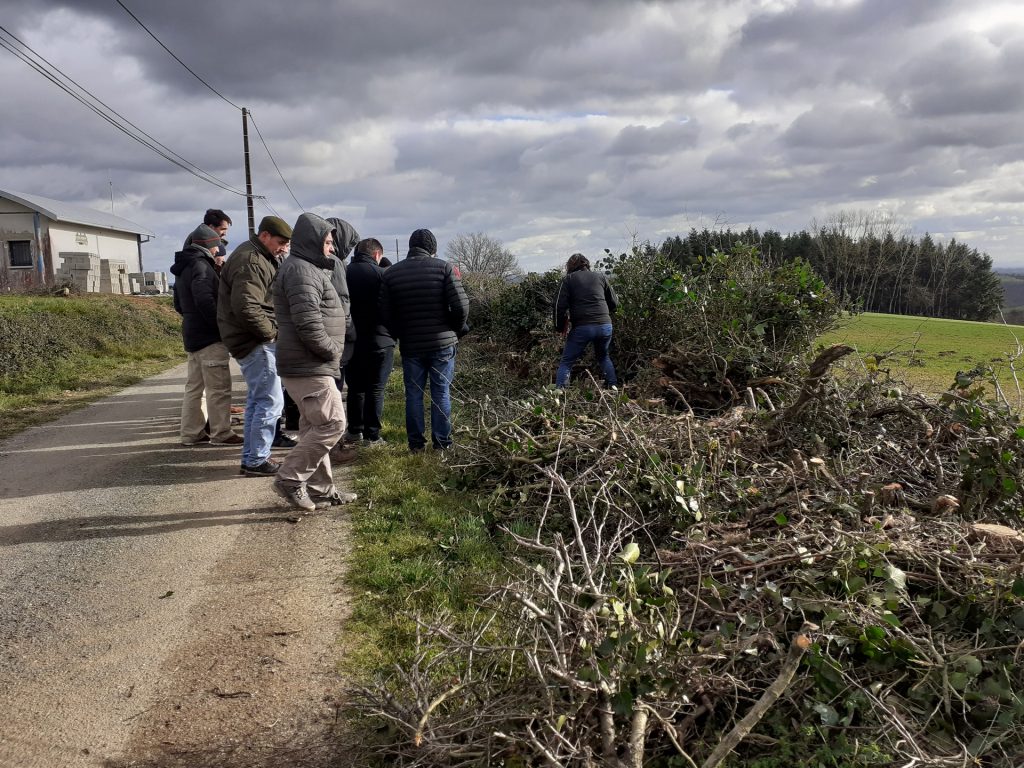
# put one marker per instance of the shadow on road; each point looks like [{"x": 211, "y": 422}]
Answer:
[{"x": 111, "y": 526}]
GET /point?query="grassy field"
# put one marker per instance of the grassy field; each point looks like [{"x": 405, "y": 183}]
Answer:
[
  {"x": 58, "y": 353},
  {"x": 927, "y": 352}
]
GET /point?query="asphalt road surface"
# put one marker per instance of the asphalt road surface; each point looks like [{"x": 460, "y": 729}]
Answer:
[{"x": 157, "y": 608}]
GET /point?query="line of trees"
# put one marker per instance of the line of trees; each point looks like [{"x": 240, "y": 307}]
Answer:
[{"x": 866, "y": 259}]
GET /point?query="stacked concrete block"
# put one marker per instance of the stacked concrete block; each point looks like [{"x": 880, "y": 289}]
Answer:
[
  {"x": 114, "y": 277},
  {"x": 81, "y": 270},
  {"x": 149, "y": 282}
]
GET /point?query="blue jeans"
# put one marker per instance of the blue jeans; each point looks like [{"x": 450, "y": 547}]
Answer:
[
  {"x": 439, "y": 367},
  {"x": 263, "y": 403},
  {"x": 576, "y": 344}
]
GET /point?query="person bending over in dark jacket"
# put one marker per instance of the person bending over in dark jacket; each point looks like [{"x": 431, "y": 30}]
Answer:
[
  {"x": 422, "y": 304},
  {"x": 310, "y": 341},
  {"x": 587, "y": 301},
  {"x": 195, "y": 298},
  {"x": 367, "y": 372}
]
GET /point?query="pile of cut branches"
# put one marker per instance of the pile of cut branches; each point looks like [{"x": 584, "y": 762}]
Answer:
[{"x": 834, "y": 577}]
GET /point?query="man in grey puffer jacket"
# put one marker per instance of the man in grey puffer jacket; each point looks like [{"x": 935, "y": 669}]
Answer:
[{"x": 310, "y": 342}]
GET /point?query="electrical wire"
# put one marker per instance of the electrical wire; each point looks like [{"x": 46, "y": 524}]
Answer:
[
  {"x": 301, "y": 207},
  {"x": 218, "y": 94},
  {"x": 61, "y": 80},
  {"x": 186, "y": 66}
]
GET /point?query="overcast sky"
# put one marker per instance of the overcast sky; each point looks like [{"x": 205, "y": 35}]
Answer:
[{"x": 555, "y": 126}]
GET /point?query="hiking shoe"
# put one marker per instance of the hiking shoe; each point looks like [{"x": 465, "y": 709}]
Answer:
[
  {"x": 231, "y": 440},
  {"x": 284, "y": 441},
  {"x": 377, "y": 442},
  {"x": 296, "y": 496},
  {"x": 267, "y": 468},
  {"x": 332, "y": 499},
  {"x": 351, "y": 438},
  {"x": 203, "y": 438}
]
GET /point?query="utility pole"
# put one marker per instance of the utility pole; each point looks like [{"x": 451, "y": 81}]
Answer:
[{"x": 248, "y": 172}]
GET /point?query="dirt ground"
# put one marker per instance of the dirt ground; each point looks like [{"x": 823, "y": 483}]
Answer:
[{"x": 158, "y": 608}]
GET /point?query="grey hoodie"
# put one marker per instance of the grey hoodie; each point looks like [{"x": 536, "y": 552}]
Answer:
[
  {"x": 345, "y": 239},
  {"x": 310, "y": 314}
]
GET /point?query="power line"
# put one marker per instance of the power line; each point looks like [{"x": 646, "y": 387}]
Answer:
[
  {"x": 186, "y": 66},
  {"x": 301, "y": 207},
  {"x": 217, "y": 93},
  {"x": 58, "y": 78}
]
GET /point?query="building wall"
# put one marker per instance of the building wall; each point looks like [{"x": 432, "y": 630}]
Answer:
[
  {"x": 107, "y": 244},
  {"x": 17, "y": 223}
]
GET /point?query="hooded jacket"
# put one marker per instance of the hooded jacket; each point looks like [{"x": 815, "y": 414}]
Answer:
[
  {"x": 422, "y": 303},
  {"x": 364, "y": 278},
  {"x": 195, "y": 296},
  {"x": 586, "y": 297},
  {"x": 345, "y": 239},
  {"x": 310, "y": 315},
  {"x": 245, "y": 310}
]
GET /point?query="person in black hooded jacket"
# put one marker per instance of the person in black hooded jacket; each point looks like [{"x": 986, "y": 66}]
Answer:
[
  {"x": 367, "y": 372},
  {"x": 208, "y": 381},
  {"x": 587, "y": 301},
  {"x": 423, "y": 305}
]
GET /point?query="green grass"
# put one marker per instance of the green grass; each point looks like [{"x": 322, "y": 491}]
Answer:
[
  {"x": 928, "y": 352},
  {"x": 419, "y": 546},
  {"x": 58, "y": 353}
]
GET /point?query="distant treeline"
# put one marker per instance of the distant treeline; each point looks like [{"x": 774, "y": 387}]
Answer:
[{"x": 868, "y": 264}]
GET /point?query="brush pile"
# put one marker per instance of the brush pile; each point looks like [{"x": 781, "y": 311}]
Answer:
[{"x": 832, "y": 574}]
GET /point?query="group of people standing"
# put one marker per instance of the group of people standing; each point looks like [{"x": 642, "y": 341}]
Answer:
[
  {"x": 302, "y": 324},
  {"x": 299, "y": 321}
]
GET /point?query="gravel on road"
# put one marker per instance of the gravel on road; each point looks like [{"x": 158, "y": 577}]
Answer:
[{"x": 158, "y": 609}]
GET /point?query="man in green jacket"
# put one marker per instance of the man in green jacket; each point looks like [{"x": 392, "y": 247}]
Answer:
[{"x": 248, "y": 328}]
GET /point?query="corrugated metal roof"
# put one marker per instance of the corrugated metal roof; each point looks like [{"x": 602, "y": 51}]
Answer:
[{"x": 76, "y": 214}]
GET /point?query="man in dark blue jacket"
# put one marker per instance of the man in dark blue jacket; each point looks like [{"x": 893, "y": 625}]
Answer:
[
  {"x": 367, "y": 372},
  {"x": 423, "y": 305},
  {"x": 195, "y": 298}
]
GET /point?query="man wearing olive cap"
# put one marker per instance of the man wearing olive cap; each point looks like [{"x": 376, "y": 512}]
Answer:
[{"x": 245, "y": 314}]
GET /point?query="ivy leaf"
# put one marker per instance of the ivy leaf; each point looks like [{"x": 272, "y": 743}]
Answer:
[
  {"x": 896, "y": 577},
  {"x": 630, "y": 553}
]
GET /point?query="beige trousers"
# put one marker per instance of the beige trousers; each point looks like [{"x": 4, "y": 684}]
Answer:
[
  {"x": 208, "y": 373},
  {"x": 321, "y": 424}
]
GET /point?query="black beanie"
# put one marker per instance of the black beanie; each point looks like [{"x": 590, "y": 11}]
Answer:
[{"x": 423, "y": 238}]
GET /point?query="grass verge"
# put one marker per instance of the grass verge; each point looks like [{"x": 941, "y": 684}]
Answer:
[
  {"x": 59, "y": 353},
  {"x": 420, "y": 546}
]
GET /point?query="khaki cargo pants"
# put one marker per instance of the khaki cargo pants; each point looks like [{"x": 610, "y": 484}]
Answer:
[
  {"x": 321, "y": 424},
  {"x": 207, "y": 392}
]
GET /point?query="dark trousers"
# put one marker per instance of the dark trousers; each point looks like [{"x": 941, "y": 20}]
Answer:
[
  {"x": 366, "y": 375},
  {"x": 290, "y": 415}
]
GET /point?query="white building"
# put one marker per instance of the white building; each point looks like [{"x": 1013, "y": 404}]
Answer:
[{"x": 38, "y": 235}]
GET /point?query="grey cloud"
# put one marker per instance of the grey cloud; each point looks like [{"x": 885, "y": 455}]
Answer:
[
  {"x": 962, "y": 76},
  {"x": 837, "y": 126},
  {"x": 668, "y": 137}
]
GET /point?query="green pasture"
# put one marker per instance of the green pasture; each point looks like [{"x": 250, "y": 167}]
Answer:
[{"x": 928, "y": 352}]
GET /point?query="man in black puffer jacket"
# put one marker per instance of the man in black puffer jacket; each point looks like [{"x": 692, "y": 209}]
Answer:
[
  {"x": 423, "y": 305},
  {"x": 587, "y": 301},
  {"x": 195, "y": 298},
  {"x": 310, "y": 341}
]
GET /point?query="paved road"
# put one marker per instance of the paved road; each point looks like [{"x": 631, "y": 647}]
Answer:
[{"x": 154, "y": 605}]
